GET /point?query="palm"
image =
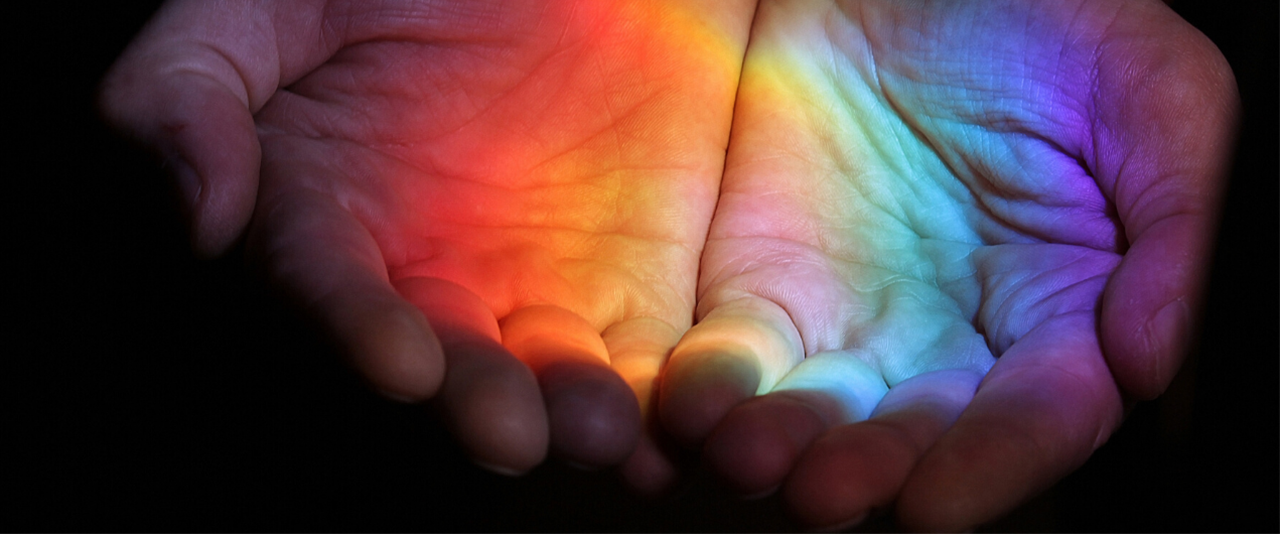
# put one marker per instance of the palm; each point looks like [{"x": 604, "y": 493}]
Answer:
[
  {"x": 928, "y": 204},
  {"x": 555, "y": 155},
  {"x": 913, "y": 190},
  {"x": 518, "y": 172}
]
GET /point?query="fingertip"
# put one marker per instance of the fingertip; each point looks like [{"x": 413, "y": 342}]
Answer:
[
  {"x": 218, "y": 154},
  {"x": 493, "y": 407},
  {"x": 741, "y": 348},
  {"x": 386, "y": 340},
  {"x": 697, "y": 391},
  {"x": 638, "y": 348},
  {"x": 593, "y": 416},
  {"x": 329, "y": 265},
  {"x": 847, "y": 473},
  {"x": 399, "y": 355},
  {"x": 940, "y": 495},
  {"x": 1145, "y": 360},
  {"x": 756, "y": 445},
  {"x": 489, "y": 399},
  {"x": 1147, "y": 309},
  {"x": 1171, "y": 329},
  {"x": 654, "y": 468},
  {"x": 1042, "y": 410},
  {"x": 204, "y": 135},
  {"x": 858, "y": 469}
]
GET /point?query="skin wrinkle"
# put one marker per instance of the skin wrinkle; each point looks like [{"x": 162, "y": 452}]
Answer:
[
  {"x": 319, "y": 38},
  {"x": 922, "y": 186},
  {"x": 1155, "y": 71},
  {"x": 1067, "y": 290},
  {"x": 910, "y": 183},
  {"x": 413, "y": 22},
  {"x": 632, "y": 303},
  {"x": 903, "y": 275},
  {"x": 908, "y": 201},
  {"x": 244, "y": 91},
  {"x": 254, "y": 90},
  {"x": 273, "y": 256},
  {"x": 611, "y": 177},
  {"x": 1004, "y": 297},
  {"x": 997, "y": 160},
  {"x": 609, "y": 128},
  {"x": 629, "y": 306},
  {"x": 976, "y": 170},
  {"x": 980, "y": 172},
  {"x": 479, "y": 112}
]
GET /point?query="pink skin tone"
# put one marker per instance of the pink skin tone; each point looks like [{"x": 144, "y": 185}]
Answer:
[
  {"x": 950, "y": 240},
  {"x": 501, "y": 209},
  {"x": 915, "y": 189}
]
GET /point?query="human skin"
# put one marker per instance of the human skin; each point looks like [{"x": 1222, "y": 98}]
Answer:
[
  {"x": 505, "y": 210},
  {"x": 953, "y": 240},
  {"x": 517, "y": 194}
]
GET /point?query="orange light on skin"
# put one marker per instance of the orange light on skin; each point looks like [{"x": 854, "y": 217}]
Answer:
[
  {"x": 566, "y": 156},
  {"x": 587, "y": 180}
]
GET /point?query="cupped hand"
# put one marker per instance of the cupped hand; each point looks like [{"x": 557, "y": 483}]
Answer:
[
  {"x": 504, "y": 204},
  {"x": 953, "y": 240}
]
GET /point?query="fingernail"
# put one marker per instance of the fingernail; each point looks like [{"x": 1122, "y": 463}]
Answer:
[
  {"x": 499, "y": 469},
  {"x": 761, "y": 494},
  {"x": 845, "y": 525},
  {"x": 405, "y": 399}
]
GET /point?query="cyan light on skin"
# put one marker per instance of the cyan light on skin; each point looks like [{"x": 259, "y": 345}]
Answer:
[{"x": 902, "y": 199}]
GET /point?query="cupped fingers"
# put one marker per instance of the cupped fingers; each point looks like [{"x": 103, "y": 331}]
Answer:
[
  {"x": 489, "y": 399},
  {"x": 328, "y": 263},
  {"x": 638, "y": 348},
  {"x": 592, "y": 413},
  {"x": 740, "y": 349},
  {"x": 1046, "y": 405},
  {"x": 756, "y": 445},
  {"x": 187, "y": 88},
  {"x": 204, "y": 135},
  {"x": 857, "y": 469}
]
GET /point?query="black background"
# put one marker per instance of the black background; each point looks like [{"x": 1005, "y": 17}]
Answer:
[{"x": 146, "y": 390}]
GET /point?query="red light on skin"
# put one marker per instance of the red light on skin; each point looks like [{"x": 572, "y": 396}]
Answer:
[
  {"x": 578, "y": 167},
  {"x": 564, "y": 160}
]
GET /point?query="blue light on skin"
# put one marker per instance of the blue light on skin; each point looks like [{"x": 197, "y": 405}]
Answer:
[{"x": 898, "y": 199}]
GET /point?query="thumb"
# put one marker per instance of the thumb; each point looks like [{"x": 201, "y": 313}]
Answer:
[
  {"x": 187, "y": 87},
  {"x": 1165, "y": 123},
  {"x": 206, "y": 139}
]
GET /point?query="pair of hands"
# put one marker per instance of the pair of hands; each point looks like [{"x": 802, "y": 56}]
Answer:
[{"x": 527, "y": 212}]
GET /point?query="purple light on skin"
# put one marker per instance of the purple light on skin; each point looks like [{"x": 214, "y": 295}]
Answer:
[{"x": 905, "y": 182}]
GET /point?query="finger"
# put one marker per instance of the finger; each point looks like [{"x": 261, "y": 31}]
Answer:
[
  {"x": 1166, "y": 123},
  {"x": 1046, "y": 405},
  {"x": 187, "y": 88},
  {"x": 490, "y": 399},
  {"x": 207, "y": 142},
  {"x": 756, "y": 445},
  {"x": 327, "y": 262},
  {"x": 857, "y": 469},
  {"x": 741, "y": 348},
  {"x": 637, "y": 350},
  {"x": 593, "y": 415}
]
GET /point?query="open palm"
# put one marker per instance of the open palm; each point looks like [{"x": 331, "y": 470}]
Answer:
[
  {"x": 951, "y": 240},
  {"x": 532, "y": 178},
  {"x": 915, "y": 189}
]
